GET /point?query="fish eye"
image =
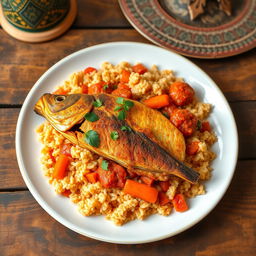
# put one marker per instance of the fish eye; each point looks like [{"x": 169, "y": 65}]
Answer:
[{"x": 60, "y": 98}]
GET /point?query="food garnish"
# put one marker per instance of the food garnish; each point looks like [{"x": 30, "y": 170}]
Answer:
[
  {"x": 97, "y": 103},
  {"x": 114, "y": 135},
  {"x": 92, "y": 138},
  {"x": 104, "y": 165},
  {"x": 91, "y": 116}
]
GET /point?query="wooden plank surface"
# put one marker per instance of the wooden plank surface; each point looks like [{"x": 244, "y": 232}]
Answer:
[
  {"x": 244, "y": 112},
  {"x": 101, "y": 14},
  {"x": 26, "y": 229},
  {"x": 22, "y": 64}
]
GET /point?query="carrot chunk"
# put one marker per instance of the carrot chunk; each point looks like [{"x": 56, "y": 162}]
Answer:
[
  {"x": 125, "y": 76},
  {"x": 92, "y": 177},
  {"x": 124, "y": 93},
  {"x": 140, "y": 190},
  {"x": 163, "y": 198},
  {"x": 139, "y": 68},
  {"x": 60, "y": 168},
  {"x": 180, "y": 203},
  {"x": 147, "y": 180},
  {"x": 157, "y": 101}
]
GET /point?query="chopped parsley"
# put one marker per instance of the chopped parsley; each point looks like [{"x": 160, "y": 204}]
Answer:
[
  {"x": 114, "y": 135},
  {"x": 104, "y": 165},
  {"x": 105, "y": 87},
  {"x": 126, "y": 128},
  {"x": 91, "y": 116},
  {"x": 92, "y": 138},
  {"x": 97, "y": 103},
  {"x": 125, "y": 106},
  {"x": 199, "y": 125}
]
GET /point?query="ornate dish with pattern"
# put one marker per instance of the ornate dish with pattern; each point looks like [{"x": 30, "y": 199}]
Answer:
[{"x": 213, "y": 34}]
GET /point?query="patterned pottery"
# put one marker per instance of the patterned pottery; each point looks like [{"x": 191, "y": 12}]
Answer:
[
  {"x": 37, "y": 20},
  {"x": 211, "y": 35}
]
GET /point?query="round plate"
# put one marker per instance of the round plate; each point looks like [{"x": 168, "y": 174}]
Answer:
[
  {"x": 211, "y": 35},
  {"x": 155, "y": 227}
]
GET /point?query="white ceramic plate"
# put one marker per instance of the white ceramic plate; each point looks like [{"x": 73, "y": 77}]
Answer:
[{"x": 155, "y": 227}]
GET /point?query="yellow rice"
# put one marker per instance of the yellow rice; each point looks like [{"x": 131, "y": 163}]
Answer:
[{"x": 93, "y": 199}]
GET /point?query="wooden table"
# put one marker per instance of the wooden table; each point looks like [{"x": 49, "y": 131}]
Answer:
[{"x": 26, "y": 229}]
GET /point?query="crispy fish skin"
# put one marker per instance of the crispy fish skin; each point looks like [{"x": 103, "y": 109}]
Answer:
[
  {"x": 140, "y": 149},
  {"x": 152, "y": 123}
]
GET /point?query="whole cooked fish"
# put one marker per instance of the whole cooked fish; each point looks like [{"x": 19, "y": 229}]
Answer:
[{"x": 147, "y": 141}]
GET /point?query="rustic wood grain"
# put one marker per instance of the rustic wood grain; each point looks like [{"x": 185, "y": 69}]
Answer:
[
  {"x": 244, "y": 112},
  {"x": 98, "y": 13},
  {"x": 22, "y": 64},
  {"x": 26, "y": 229}
]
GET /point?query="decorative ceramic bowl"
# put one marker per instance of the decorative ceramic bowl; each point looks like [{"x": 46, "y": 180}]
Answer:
[{"x": 37, "y": 20}]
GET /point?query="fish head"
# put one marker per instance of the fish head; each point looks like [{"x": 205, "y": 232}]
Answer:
[{"x": 64, "y": 111}]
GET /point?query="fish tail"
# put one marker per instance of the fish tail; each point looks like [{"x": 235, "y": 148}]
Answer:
[{"x": 187, "y": 173}]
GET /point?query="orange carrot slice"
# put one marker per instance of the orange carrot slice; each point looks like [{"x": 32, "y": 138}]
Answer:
[
  {"x": 140, "y": 190},
  {"x": 60, "y": 168},
  {"x": 157, "y": 101}
]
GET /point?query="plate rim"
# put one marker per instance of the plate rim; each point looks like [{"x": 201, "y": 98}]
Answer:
[
  {"x": 57, "y": 216},
  {"x": 142, "y": 30}
]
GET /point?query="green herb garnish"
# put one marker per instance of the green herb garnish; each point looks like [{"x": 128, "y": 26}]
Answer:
[
  {"x": 105, "y": 87},
  {"x": 104, "y": 165},
  {"x": 97, "y": 103},
  {"x": 126, "y": 128},
  {"x": 120, "y": 100},
  {"x": 121, "y": 115},
  {"x": 92, "y": 138},
  {"x": 125, "y": 106},
  {"x": 91, "y": 116},
  {"x": 114, "y": 135},
  {"x": 199, "y": 125}
]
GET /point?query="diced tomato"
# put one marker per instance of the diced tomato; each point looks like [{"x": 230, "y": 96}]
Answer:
[
  {"x": 164, "y": 185},
  {"x": 125, "y": 76},
  {"x": 180, "y": 203},
  {"x": 169, "y": 109},
  {"x": 120, "y": 174},
  {"x": 60, "y": 91},
  {"x": 184, "y": 120},
  {"x": 92, "y": 177},
  {"x": 147, "y": 180},
  {"x": 163, "y": 198},
  {"x": 192, "y": 148},
  {"x": 107, "y": 178},
  {"x": 181, "y": 93},
  {"x": 139, "y": 68},
  {"x": 114, "y": 177},
  {"x": 205, "y": 127},
  {"x": 85, "y": 88},
  {"x": 66, "y": 149},
  {"x": 132, "y": 175},
  {"x": 66, "y": 193},
  {"x": 123, "y": 86},
  {"x": 89, "y": 70},
  {"x": 96, "y": 88},
  {"x": 122, "y": 93}
]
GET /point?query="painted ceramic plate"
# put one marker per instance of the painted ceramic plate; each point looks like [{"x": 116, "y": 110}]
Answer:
[
  {"x": 212, "y": 34},
  {"x": 155, "y": 227}
]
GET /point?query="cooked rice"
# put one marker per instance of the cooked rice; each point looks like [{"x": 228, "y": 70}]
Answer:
[{"x": 93, "y": 199}]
